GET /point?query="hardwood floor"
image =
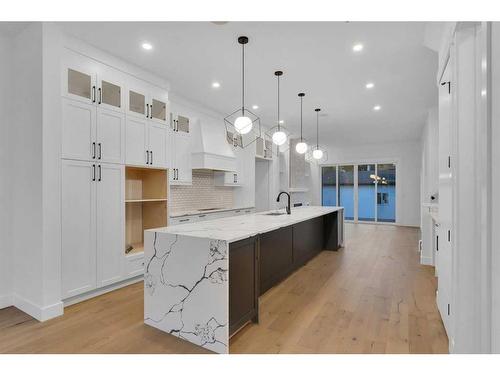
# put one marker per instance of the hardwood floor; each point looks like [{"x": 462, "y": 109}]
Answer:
[{"x": 370, "y": 297}]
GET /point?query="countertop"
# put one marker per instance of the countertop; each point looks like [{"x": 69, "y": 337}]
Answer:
[
  {"x": 236, "y": 228},
  {"x": 200, "y": 212}
]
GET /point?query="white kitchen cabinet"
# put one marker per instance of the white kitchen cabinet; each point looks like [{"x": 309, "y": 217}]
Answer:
[
  {"x": 110, "y": 219},
  {"x": 146, "y": 143},
  {"x": 78, "y": 130},
  {"x": 232, "y": 178},
  {"x": 263, "y": 148},
  {"x": 79, "y": 77},
  {"x": 182, "y": 172},
  {"x": 110, "y": 136},
  {"x": 92, "y": 225},
  {"x": 78, "y": 227},
  {"x": 147, "y": 101}
]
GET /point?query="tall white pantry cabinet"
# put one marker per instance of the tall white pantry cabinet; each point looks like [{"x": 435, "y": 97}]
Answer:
[{"x": 109, "y": 120}]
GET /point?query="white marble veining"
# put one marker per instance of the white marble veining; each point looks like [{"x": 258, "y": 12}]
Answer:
[
  {"x": 198, "y": 212},
  {"x": 236, "y": 228}
]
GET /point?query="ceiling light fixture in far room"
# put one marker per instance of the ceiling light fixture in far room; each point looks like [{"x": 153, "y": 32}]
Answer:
[
  {"x": 147, "y": 46},
  {"x": 370, "y": 85},
  {"x": 301, "y": 147},
  {"x": 243, "y": 126},
  {"x": 255, "y": 106},
  {"x": 358, "y": 47},
  {"x": 215, "y": 85},
  {"x": 377, "y": 108},
  {"x": 317, "y": 155},
  {"x": 279, "y": 135}
]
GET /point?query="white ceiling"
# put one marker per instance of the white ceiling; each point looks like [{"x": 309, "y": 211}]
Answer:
[{"x": 316, "y": 58}]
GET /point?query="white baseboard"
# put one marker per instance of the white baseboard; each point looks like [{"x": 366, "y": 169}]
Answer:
[
  {"x": 426, "y": 261},
  {"x": 5, "y": 301},
  {"x": 94, "y": 293},
  {"x": 40, "y": 313}
]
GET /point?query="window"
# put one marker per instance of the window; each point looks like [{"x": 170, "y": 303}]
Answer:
[{"x": 366, "y": 191}]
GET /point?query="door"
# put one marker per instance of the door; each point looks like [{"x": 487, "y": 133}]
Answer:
[
  {"x": 243, "y": 282},
  {"x": 110, "y": 92},
  {"x": 183, "y": 157},
  {"x": 110, "y": 136},
  {"x": 137, "y": 100},
  {"x": 346, "y": 190},
  {"x": 110, "y": 213},
  {"x": 136, "y": 131},
  {"x": 78, "y": 78},
  {"x": 78, "y": 130},
  {"x": 159, "y": 109},
  {"x": 157, "y": 136},
  {"x": 78, "y": 227},
  {"x": 367, "y": 186},
  {"x": 444, "y": 244}
]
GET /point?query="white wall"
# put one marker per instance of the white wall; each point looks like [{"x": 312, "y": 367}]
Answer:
[
  {"x": 5, "y": 251},
  {"x": 408, "y": 158}
]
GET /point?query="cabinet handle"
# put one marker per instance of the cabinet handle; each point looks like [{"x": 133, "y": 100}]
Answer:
[
  {"x": 177, "y": 174},
  {"x": 176, "y": 125},
  {"x": 237, "y": 211},
  {"x": 147, "y": 110},
  {"x": 93, "y": 150},
  {"x": 99, "y": 172},
  {"x": 147, "y": 157},
  {"x": 93, "y": 172},
  {"x": 100, "y": 96},
  {"x": 151, "y": 153},
  {"x": 93, "y": 94},
  {"x": 100, "y": 150},
  {"x": 151, "y": 111},
  {"x": 202, "y": 215},
  {"x": 183, "y": 220}
]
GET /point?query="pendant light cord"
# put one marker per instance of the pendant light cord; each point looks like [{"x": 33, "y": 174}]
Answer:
[
  {"x": 243, "y": 80},
  {"x": 301, "y": 98},
  {"x": 317, "y": 130},
  {"x": 278, "y": 103}
]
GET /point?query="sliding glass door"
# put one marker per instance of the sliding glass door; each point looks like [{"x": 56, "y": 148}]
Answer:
[
  {"x": 366, "y": 191},
  {"x": 386, "y": 193},
  {"x": 346, "y": 190}
]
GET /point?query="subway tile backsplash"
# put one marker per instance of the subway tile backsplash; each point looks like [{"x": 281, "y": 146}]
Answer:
[{"x": 202, "y": 194}]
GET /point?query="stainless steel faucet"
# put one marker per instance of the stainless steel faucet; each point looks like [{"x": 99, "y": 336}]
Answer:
[{"x": 288, "y": 211}]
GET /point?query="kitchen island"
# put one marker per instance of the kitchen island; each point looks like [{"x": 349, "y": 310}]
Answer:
[{"x": 202, "y": 281}]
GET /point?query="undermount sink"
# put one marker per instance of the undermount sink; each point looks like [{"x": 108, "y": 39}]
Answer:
[{"x": 275, "y": 213}]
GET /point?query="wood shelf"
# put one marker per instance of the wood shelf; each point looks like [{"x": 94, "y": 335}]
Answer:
[
  {"x": 145, "y": 200},
  {"x": 145, "y": 204}
]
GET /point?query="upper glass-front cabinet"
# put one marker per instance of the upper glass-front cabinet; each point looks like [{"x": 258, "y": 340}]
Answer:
[
  {"x": 110, "y": 94},
  {"x": 136, "y": 103},
  {"x": 79, "y": 84},
  {"x": 158, "y": 110}
]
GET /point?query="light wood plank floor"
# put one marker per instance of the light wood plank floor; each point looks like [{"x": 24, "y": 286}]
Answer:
[{"x": 370, "y": 297}]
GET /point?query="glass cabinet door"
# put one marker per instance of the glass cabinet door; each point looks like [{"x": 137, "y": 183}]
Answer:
[
  {"x": 183, "y": 124},
  {"x": 159, "y": 110},
  {"x": 137, "y": 102},
  {"x": 79, "y": 84},
  {"x": 111, "y": 94}
]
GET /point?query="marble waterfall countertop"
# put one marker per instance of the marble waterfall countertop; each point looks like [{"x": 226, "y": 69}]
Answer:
[
  {"x": 236, "y": 228},
  {"x": 202, "y": 211}
]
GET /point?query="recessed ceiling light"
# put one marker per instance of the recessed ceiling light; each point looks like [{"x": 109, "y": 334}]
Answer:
[
  {"x": 215, "y": 85},
  {"x": 255, "y": 106},
  {"x": 147, "y": 46},
  {"x": 377, "y": 108},
  {"x": 281, "y": 121},
  {"x": 358, "y": 47},
  {"x": 370, "y": 85}
]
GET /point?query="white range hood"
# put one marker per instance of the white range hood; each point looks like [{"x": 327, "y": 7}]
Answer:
[{"x": 210, "y": 147}]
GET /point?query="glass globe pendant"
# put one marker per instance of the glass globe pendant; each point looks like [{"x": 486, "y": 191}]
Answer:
[
  {"x": 317, "y": 154},
  {"x": 279, "y": 136},
  {"x": 243, "y": 124},
  {"x": 301, "y": 147}
]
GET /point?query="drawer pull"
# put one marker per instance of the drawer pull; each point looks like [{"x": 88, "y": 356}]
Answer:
[
  {"x": 183, "y": 220},
  {"x": 202, "y": 215}
]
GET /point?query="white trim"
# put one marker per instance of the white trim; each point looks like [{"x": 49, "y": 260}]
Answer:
[
  {"x": 97, "y": 292},
  {"x": 5, "y": 301},
  {"x": 40, "y": 313},
  {"x": 427, "y": 261}
]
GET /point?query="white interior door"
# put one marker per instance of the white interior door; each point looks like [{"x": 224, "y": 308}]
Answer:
[
  {"x": 157, "y": 135},
  {"x": 78, "y": 227},
  {"x": 110, "y": 223},
  {"x": 110, "y": 136},
  {"x": 78, "y": 130},
  {"x": 136, "y": 131},
  {"x": 444, "y": 254}
]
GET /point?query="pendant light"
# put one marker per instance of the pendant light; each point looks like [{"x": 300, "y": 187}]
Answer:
[
  {"x": 317, "y": 153},
  {"x": 242, "y": 121},
  {"x": 301, "y": 147},
  {"x": 279, "y": 136}
]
